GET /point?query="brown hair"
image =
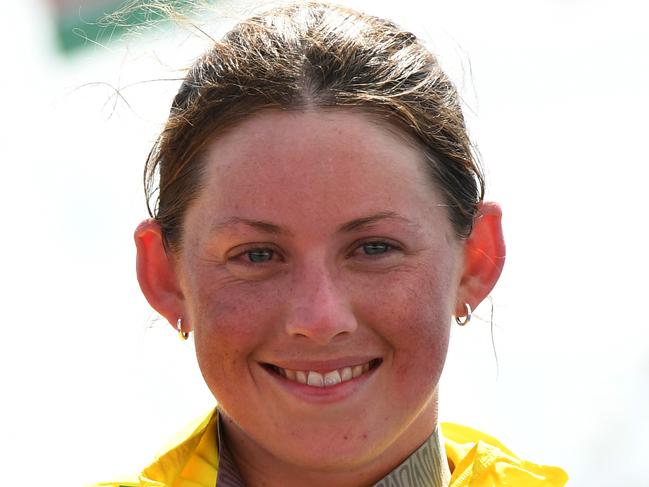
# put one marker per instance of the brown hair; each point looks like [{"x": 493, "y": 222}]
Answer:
[{"x": 314, "y": 55}]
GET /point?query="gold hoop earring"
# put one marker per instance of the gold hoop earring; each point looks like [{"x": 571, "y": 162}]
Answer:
[
  {"x": 463, "y": 321},
  {"x": 184, "y": 335}
]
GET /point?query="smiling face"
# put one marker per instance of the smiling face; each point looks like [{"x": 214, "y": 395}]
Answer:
[{"x": 318, "y": 251}]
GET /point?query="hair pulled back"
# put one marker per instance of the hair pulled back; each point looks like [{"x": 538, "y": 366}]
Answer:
[{"x": 306, "y": 56}]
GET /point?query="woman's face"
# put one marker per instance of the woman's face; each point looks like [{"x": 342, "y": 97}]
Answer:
[{"x": 319, "y": 251}]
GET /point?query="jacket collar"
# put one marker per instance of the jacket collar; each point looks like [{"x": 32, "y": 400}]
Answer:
[
  {"x": 475, "y": 459},
  {"x": 190, "y": 460}
]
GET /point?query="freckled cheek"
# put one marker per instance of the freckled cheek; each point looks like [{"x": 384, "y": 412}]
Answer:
[
  {"x": 231, "y": 322},
  {"x": 420, "y": 348},
  {"x": 413, "y": 317}
]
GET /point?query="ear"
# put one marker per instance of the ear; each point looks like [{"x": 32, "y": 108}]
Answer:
[
  {"x": 156, "y": 272},
  {"x": 484, "y": 258}
]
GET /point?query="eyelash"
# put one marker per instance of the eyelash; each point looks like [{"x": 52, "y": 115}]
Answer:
[
  {"x": 247, "y": 255},
  {"x": 387, "y": 248}
]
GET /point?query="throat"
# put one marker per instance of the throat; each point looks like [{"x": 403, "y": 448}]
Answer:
[{"x": 244, "y": 462}]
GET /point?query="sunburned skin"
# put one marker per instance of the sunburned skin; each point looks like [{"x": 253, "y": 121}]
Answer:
[
  {"x": 303, "y": 292},
  {"x": 319, "y": 272}
]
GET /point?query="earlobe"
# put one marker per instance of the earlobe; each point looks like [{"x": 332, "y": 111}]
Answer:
[
  {"x": 484, "y": 257},
  {"x": 156, "y": 273}
]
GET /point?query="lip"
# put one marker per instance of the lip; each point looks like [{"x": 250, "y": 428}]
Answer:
[
  {"x": 321, "y": 395},
  {"x": 322, "y": 366}
]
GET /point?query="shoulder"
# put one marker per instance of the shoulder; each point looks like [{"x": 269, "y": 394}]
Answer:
[
  {"x": 191, "y": 456},
  {"x": 478, "y": 459}
]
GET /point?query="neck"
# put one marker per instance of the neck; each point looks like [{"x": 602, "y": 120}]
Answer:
[{"x": 260, "y": 467}]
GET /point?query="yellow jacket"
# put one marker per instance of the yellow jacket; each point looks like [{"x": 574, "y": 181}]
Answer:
[{"x": 476, "y": 460}]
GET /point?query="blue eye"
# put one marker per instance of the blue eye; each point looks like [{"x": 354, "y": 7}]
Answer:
[
  {"x": 376, "y": 248},
  {"x": 260, "y": 255}
]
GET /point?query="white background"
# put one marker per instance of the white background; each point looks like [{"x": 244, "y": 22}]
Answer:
[{"x": 92, "y": 384}]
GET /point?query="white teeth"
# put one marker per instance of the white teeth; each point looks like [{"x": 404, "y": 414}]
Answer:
[
  {"x": 332, "y": 378},
  {"x": 346, "y": 374},
  {"x": 357, "y": 370},
  {"x": 315, "y": 379}
]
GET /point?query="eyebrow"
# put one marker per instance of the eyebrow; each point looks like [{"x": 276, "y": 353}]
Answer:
[
  {"x": 369, "y": 221},
  {"x": 351, "y": 226},
  {"x": 259, "y": 225}
]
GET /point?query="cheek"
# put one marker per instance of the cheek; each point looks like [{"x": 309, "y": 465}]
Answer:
[
  {"x": 412, "y": 313},
  {"x": 231, "y": 321},
  {"x": 421, "y": 337}
]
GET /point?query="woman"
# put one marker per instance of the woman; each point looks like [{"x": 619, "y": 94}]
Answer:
[{"x": 319, "y": 221}]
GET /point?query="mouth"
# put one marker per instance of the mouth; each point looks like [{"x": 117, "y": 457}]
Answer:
[{"x": 322, "y": 379}]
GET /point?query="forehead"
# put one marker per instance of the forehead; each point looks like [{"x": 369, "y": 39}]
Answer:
[
  {"x": 329, "y": 142},
  {"x": 316, "y": 162}
]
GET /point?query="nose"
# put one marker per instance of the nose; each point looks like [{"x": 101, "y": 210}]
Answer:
[{"x": 319, "y": 310}]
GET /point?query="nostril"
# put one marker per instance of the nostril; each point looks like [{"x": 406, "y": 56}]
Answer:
[
  {"x": 320, "y": 311},
  {"x": 323, "y": 327}
]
